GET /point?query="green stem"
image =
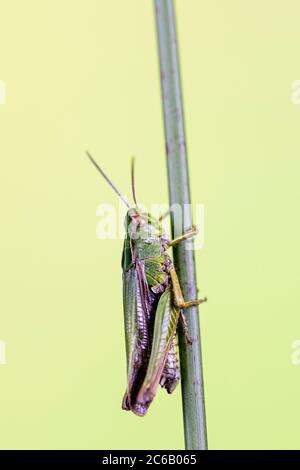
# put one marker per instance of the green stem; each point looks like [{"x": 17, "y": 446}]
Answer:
[{"x": 179, "y": 193}]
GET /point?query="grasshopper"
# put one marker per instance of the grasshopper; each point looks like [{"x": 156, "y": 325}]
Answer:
[{"x": 153, "y": 305}]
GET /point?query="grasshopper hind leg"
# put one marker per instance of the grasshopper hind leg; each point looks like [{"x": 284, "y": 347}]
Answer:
[
  {"x": 185, "y": 328},
  {"x": 178, "y": 299}
]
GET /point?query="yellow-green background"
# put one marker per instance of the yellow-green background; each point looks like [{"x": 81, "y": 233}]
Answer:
[{"x": 84, "y": 74}]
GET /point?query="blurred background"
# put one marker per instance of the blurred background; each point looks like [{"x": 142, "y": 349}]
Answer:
[{"x": 84, "y": 75}]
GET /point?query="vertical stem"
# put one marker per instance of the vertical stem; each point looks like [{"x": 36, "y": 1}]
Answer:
[{"x": 179, "y": 193}]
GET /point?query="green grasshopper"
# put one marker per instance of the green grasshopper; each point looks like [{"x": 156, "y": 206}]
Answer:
[{"x": 153, "y": 305}]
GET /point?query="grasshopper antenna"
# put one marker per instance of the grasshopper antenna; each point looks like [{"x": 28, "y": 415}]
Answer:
[
  {"x": 132, "y": 180},
  {"x": 111, "y": 184}
]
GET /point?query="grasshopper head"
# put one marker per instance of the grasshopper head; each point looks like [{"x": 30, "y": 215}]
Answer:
[
  {"x": 142, "y": 223},
  {"x": 135, "y": 219},
  {"x": 136, "y": 216}
]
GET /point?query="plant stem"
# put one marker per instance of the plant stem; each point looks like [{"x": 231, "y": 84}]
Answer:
[{"x": 179, "y": 193}]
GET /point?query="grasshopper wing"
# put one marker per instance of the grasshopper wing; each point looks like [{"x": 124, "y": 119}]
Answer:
[
  {"x": 166, "y": 320},
  {"x": 136, "y": 337}
]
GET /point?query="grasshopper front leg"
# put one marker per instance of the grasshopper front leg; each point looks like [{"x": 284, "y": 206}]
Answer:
[
  {"x": 189, "y": 234},
  {"x": 163, "y": 216}
]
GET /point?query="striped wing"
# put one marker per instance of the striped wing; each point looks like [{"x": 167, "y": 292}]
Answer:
[
  {"x": 166, "y": 320},
  {"x": 136, "y": 316}
]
